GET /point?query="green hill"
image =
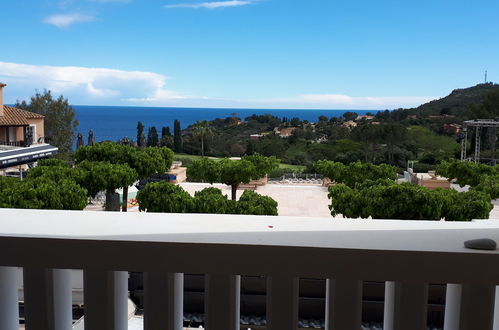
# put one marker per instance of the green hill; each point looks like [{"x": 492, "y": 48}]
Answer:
[{"x": 459, "y": 102}]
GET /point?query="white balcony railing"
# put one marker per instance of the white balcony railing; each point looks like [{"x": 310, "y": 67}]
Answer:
[{"x": 407, "y": 254}]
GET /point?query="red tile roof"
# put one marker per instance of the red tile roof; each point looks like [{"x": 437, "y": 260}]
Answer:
[{"x": 17, "y": 117}]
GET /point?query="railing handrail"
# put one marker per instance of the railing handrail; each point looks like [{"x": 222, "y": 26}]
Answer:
[{"x": 250, "y": 245}]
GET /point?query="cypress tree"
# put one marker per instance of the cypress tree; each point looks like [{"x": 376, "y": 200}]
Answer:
[
  {"x": 152, "y": 137},
  {"x": 140, "y": 132},
  {"x": 165, "y": 131},
  {"x": 177, "y": 136}
]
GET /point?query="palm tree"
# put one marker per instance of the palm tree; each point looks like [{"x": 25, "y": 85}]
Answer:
[{"x": 202, "y": 128}]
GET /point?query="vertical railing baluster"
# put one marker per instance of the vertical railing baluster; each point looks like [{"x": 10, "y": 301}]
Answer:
[
  {"x": 38, "y": 298},
  {"x": 452, "y": 306},
  {"x": 343, "y": 304},
  {"x": 496, "y": 310},
  {"x": 9, "y": 298},
  {"x": 477, "y": 307},
  {"x": 282, "y": 302},
  {"x": 106, "y": 300},
  {"x": 163, "y": 301},
  {"x": 47, "y": 299},
  {"x": 222, "y": 301},
  {"x": 406, "y": 306}
]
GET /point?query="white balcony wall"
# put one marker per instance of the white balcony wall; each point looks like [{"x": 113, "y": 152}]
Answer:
[{"x": 105, "y": 245}]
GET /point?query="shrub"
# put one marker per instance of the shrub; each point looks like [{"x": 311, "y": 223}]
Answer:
[{"x": 164, "y": 197}]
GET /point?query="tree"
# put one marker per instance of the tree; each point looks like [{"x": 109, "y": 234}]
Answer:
[
  {"x": 177, "y": 136},
  {"x": 164, "y": 197},
  {"x": 165, "y": 131},
  {"x": 354, "y": 173},
  {"x": 229, "y": 172},
  {"x": 212, "y": 200},
  {"x": 263, "y": 165},
  {"x": 256, "y": 204},
  {"x": 204, "y": 170},
  {"x": 235, "y": 172},
  {"x": 350, "y": 115},
  {"x": 99, "y": 176},
  {"x": 42, "y": 193},
  {"x": 145, "y": 161},
  {"x": 384, "y": 199},
  {"x": 93, "y": 176},
  {"x": 201, "y": 129},
  {"x": 152, "y": 137},
  {"x": 60, "y": 118},
  {"x": 466, "y": 173},
  {"x": 140, "y": 134}
]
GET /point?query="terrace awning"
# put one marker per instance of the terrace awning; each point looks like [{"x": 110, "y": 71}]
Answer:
[{"x": 20, "y": 156}]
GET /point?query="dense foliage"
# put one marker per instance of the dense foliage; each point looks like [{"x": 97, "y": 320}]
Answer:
[
  {"x": 168, "y": 198},
  {"x": 164, "y": 197},
  {"x": 388, "y": 200},
  {"x": 479, "y": 177},
  {"x": 354, "y": 173},
  {"x": 212, "y": 200},
  {"x": 135, "y": 163},
  {"x": 231, "y": 172},
  {"x": 60, "y": 118},
  {"x": 252, "y": 203},
  {"x": 42, "y": 193}
]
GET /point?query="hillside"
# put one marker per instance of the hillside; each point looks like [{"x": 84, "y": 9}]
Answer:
[{"x": 458, "y": 102}]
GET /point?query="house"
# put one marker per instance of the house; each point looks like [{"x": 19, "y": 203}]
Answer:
[
  {"x": 19, "y": 127},
  {"x": 349, "y": 124},
  {"x": 22, "y": 136},
  {"x": 287, "y": 131},
  {"x": 365, "y": 117}
]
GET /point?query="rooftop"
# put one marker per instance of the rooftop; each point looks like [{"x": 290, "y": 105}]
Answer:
[{"x": 17, "y": 117}]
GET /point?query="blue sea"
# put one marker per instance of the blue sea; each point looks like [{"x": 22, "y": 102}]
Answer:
[{"x": 116, "y": 122}]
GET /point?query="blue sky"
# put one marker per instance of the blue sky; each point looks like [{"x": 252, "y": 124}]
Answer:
[{"x": 248, "y": 53}]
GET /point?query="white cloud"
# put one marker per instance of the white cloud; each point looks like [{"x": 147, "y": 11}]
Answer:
[
  {"x": 65, "y": 20},
  {"x": 339, "y": 101},
  {"x": 212, "y": 4},
  {"x": 86, "y": 85},
  {"x": 104, "y": 86}
]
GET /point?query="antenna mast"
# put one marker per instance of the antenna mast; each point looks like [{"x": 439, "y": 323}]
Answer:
[{"x": 485, "y": 76}]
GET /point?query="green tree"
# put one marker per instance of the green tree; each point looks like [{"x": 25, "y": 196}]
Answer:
[
  {"x": 60, "y": 118},
  {"x": 354, "y": 173},
  {"x": 229, "y": 172},
  {"x": 466, "y": 173},
  {"x": 263, "y": 165},
  {"x": 177, "y": 136},
  {"x": 165, "y": 131},
  {"x": 145, "y": 161},
  {"x": 140, "y": 134},
  {"x": 212, "y": 200},
  {"x": 152, "y": 137},
  {"x": 202, "y": 129},
  {"x": 204, "y": 170},
  {"x": 235, "y": 172},
  {"x": 255, "y": 204},
  {"x": 164, "y": 197},
  {"x": 388, "y": 200},
  {"x": 42, "y": 193},
  {"x": 99, "y": 176}
]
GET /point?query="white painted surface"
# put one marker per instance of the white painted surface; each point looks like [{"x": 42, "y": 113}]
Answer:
[
  {"x": 9, "y": 307},
  {"x": 436, "y": 236}
]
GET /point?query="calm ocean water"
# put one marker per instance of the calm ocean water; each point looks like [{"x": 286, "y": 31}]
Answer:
[{"x": 114, "y": 123}]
